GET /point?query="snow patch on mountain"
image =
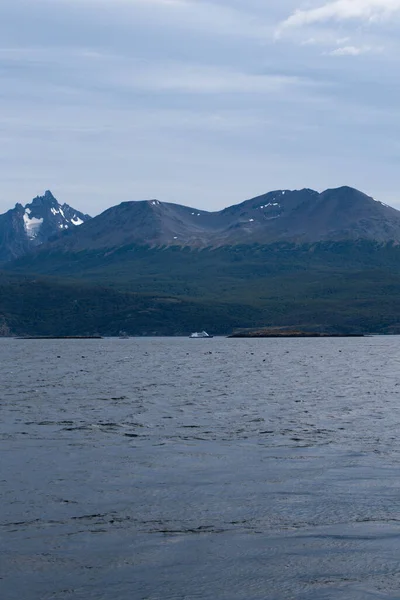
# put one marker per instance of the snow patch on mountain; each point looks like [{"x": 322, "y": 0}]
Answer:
[{"x": 32, "y": 225}]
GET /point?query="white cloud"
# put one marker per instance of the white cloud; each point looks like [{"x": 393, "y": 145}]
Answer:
[
  {"x": 311, "y": 42},
  {"x": 341, "y": 10},
  {"x": 341, "y": 41},
  {"x": 325, "y": 38},
  {"x": 350, "y": 51}
]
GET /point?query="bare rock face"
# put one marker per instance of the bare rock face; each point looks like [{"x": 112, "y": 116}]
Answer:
[{"x": 23, "y": 228}]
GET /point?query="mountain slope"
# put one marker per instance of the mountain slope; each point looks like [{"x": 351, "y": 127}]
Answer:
[
  {"x": 308, "y": 216},
  {"x": 23, "y": 228}
]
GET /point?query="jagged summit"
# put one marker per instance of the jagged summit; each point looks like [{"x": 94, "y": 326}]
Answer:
[
  {"x": 46, "y": 199},
  {"x": 25, "y": 227}
]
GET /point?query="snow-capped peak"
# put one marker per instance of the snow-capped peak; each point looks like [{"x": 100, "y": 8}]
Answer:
[{"x": 44, "y": 218}]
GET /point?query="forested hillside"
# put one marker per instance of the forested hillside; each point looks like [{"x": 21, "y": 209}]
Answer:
[{"x": 330, "y": 286}]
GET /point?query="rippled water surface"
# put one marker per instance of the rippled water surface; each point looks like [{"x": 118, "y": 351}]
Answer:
[{"x": 177, "y": 469}]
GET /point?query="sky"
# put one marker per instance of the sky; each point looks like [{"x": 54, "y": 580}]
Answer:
[{"x": 203, "y": 103}]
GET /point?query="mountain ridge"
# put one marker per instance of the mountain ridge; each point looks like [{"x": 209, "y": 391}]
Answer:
[
  {"x": 301, "y": 216},
  {"x": 298, "y": 216}
]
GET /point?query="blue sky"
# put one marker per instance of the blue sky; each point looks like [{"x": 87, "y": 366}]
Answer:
[{"x": 195, "y": 102}]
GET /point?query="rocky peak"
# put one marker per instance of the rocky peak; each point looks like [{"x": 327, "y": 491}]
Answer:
[
  {"x": 25, "y": 227},
  {"x": 46, "y": 200}
]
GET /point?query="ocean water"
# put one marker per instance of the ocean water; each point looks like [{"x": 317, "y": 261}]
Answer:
[{"x": 177, "y": 469}]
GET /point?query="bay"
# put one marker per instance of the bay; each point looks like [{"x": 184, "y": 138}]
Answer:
[{"x": 169, "y": 468}]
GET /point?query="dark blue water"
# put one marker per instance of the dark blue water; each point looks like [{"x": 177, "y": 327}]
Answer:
[{"x": 177, "y": 469}]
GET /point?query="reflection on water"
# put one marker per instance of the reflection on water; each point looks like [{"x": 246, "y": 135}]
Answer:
[{"x": 176, "y": 469}]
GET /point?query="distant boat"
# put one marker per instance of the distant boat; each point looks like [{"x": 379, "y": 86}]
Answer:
[
  {"x": 200, "y": 334},
  {"x": 123, "y": 335}
]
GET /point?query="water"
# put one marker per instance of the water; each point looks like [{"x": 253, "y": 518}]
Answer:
[{"x": 177, "y": 469}]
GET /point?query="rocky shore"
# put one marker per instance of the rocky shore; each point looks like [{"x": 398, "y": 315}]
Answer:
[{"x": 291, "y": 333}]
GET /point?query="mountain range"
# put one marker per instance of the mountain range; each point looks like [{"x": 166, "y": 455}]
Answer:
[
  {"x": 303, "y": 216},
  {"x": 325, "y": 261}
]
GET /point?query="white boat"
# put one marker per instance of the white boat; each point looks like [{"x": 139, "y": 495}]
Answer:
[{"x": 200, "y": 334}]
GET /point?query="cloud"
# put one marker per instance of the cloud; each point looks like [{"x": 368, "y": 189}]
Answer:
[
  {"x": 190, "y": 100},
  {"x": 325, "y": 39},
  {"x": 311, "y": 42},
  {"x": 342, "y": 10},
  {"x": 350, "y": 51},
  {"x": 341, "y": 41}
]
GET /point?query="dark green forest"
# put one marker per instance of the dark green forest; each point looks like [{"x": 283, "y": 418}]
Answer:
[{"x": 345, "y": 287}]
